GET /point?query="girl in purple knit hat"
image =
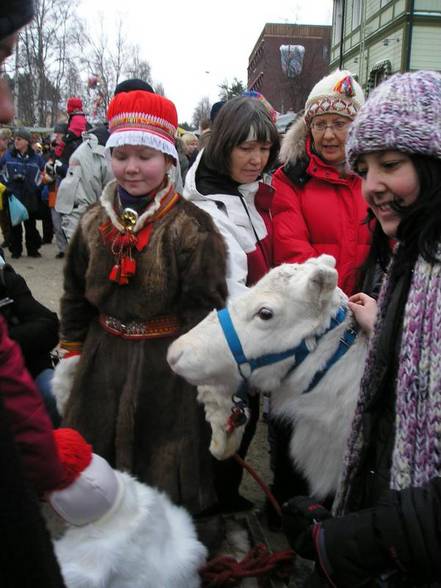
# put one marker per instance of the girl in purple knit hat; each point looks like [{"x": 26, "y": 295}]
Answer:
[{"x": 386, "y": 528}]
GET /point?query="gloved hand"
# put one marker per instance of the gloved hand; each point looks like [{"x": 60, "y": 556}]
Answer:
[
  {"x": 299, "y": 515},
  {"x": 49, "y": 168},
  {"x": 357, "y": 548},
  {"x": 57, "y": 165}
]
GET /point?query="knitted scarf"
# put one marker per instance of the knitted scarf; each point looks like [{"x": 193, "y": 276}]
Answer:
[{"x": 416, "y": 456}]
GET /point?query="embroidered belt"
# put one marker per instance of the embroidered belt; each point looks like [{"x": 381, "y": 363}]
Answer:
[{"x": 162, "y": 326}]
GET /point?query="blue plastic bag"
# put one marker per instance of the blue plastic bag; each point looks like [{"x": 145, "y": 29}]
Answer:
[{"x": 17, "y": 211}]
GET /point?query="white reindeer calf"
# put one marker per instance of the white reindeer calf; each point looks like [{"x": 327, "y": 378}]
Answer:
[{"x": 291, "y": 334}]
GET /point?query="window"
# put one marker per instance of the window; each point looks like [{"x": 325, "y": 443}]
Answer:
[
  {"x": 338, "y": 12},
  {"x": 380, "y": 72},
  {"x": 384, "y": 3},
  {"x": 356, "y": 13}
]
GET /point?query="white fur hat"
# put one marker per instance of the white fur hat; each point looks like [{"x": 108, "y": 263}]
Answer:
[
  {"x": 93, "y": 489},
  {"x": 337, "y": 93}
]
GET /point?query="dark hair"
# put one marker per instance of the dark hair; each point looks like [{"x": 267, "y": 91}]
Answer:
[
  {"x": 419, "y": 231},
  {"x": 368, "y": 274},
  {"x": 132, "y": 85},
  {"x": 232, "y": 127},
  {"x": 215, "y": 110}
]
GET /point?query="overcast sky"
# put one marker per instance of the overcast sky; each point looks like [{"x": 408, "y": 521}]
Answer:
[{"x": 192, "y": 46}]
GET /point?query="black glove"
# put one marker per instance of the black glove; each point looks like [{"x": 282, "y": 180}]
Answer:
[
  {"x": 299, "y": 515},
  {"x": 361, "y": 546}
]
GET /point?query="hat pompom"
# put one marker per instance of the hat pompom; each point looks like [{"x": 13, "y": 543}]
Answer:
[
  {"x": 74, "y": 452},
  {"x": 345, "y": 86}
]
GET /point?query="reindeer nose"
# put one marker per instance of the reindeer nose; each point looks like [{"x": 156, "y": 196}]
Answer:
[{"x": 174, "y": 354}]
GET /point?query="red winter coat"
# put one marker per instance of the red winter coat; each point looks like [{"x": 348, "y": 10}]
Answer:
[
  {"x": 316, "y": 211},
  {"x": 29, "y": 422}
]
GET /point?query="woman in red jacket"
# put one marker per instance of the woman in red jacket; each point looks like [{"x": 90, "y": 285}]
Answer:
[{"x": 317, "y": 206}]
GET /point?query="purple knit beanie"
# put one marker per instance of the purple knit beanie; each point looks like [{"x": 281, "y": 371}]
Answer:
[{"x": 402, "y": 114}]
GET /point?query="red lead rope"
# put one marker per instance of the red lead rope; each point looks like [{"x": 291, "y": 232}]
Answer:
[
  {"x": 226, "y": 571},
  {"x": 246, "y": 466}
]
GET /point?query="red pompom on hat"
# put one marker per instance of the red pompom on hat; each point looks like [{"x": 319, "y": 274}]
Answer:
[
  {"x": 74, "y": 452},
  {"x": 143, "y": 118},
  {"x": 74, "y": 103},
  {"x": 91, "y": 488}
]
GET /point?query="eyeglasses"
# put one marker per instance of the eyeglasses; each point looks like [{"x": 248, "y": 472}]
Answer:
[{"x": 337, "y": 127}]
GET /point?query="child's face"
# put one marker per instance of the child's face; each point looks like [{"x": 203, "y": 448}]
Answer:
[
  {"x": 388, "y": 176},
  {"x": 139, "y": 169}
]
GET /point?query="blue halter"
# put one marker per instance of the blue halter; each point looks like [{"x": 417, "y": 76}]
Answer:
[{"x": 300, "y": 352}]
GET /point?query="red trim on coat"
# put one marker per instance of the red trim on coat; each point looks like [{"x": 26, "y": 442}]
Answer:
[{"x": 260, "y": 260}]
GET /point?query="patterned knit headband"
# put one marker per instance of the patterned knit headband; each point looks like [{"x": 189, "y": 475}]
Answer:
[{"x": 337, "y": 93}]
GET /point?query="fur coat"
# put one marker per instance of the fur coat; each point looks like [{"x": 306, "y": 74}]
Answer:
[{"x": 125, "y": 399}]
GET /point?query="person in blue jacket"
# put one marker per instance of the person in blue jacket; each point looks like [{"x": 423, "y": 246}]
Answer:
[{"x": 21, "y": 172}]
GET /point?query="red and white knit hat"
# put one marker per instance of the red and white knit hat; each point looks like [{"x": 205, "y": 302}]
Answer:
[
  {"x": 337, "y": 93},
  {"x": 91, "y": 488},
  {"x": 74, "y": 103},
  {"x": 143, "y": 118}
]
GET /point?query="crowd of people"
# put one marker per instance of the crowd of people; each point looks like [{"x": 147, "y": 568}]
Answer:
[{"x": 155, "y": 235}]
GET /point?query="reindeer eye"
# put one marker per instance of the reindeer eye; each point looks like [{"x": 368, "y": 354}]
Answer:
[{"x": 265, "y": 313}]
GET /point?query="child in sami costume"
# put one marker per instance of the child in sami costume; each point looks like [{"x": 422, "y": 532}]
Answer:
[{"x": 143, "y": 267}]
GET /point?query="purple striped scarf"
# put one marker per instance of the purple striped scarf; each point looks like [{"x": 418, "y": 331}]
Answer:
[{"x": 416, "y": 457}]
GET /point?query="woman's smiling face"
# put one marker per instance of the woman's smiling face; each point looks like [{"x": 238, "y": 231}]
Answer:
[{"x": 388, "y": 176}]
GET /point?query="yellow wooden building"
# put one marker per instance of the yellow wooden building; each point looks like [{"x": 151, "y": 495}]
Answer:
[{"x": 376, "y": 38}]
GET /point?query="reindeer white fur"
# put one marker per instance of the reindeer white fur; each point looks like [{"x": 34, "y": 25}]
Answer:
[{"x": 301, "y": 300}]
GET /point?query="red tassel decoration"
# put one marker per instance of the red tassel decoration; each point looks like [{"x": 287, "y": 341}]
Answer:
[
  {"x": 115, "y": 273},
  {"x": 128, "y": 266}
]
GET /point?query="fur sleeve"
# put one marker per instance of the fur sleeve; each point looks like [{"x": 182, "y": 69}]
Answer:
[
  {"x": 76, "y": 311},
  {"x": 202, "y": 267}
]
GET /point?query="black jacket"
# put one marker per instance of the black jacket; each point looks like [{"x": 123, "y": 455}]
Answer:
[
  {"x": 398, "y": 541},
  {"x": 392, "y": 534},
  {"x": 32, "y": 325}
]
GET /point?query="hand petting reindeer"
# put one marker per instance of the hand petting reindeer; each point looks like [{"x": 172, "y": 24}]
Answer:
[{"x": 292, "y": 334}]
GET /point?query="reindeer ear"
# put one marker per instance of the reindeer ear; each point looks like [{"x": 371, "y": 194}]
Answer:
[
  {"x": 325, "y": 259},
  {"x": 322, "y": 281}
]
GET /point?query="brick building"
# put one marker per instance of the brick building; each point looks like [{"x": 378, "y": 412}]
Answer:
[{"x": 265, "y": 73}]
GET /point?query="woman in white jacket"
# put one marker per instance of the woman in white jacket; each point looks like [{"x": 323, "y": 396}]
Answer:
[{"x": 229, "y": 181}]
